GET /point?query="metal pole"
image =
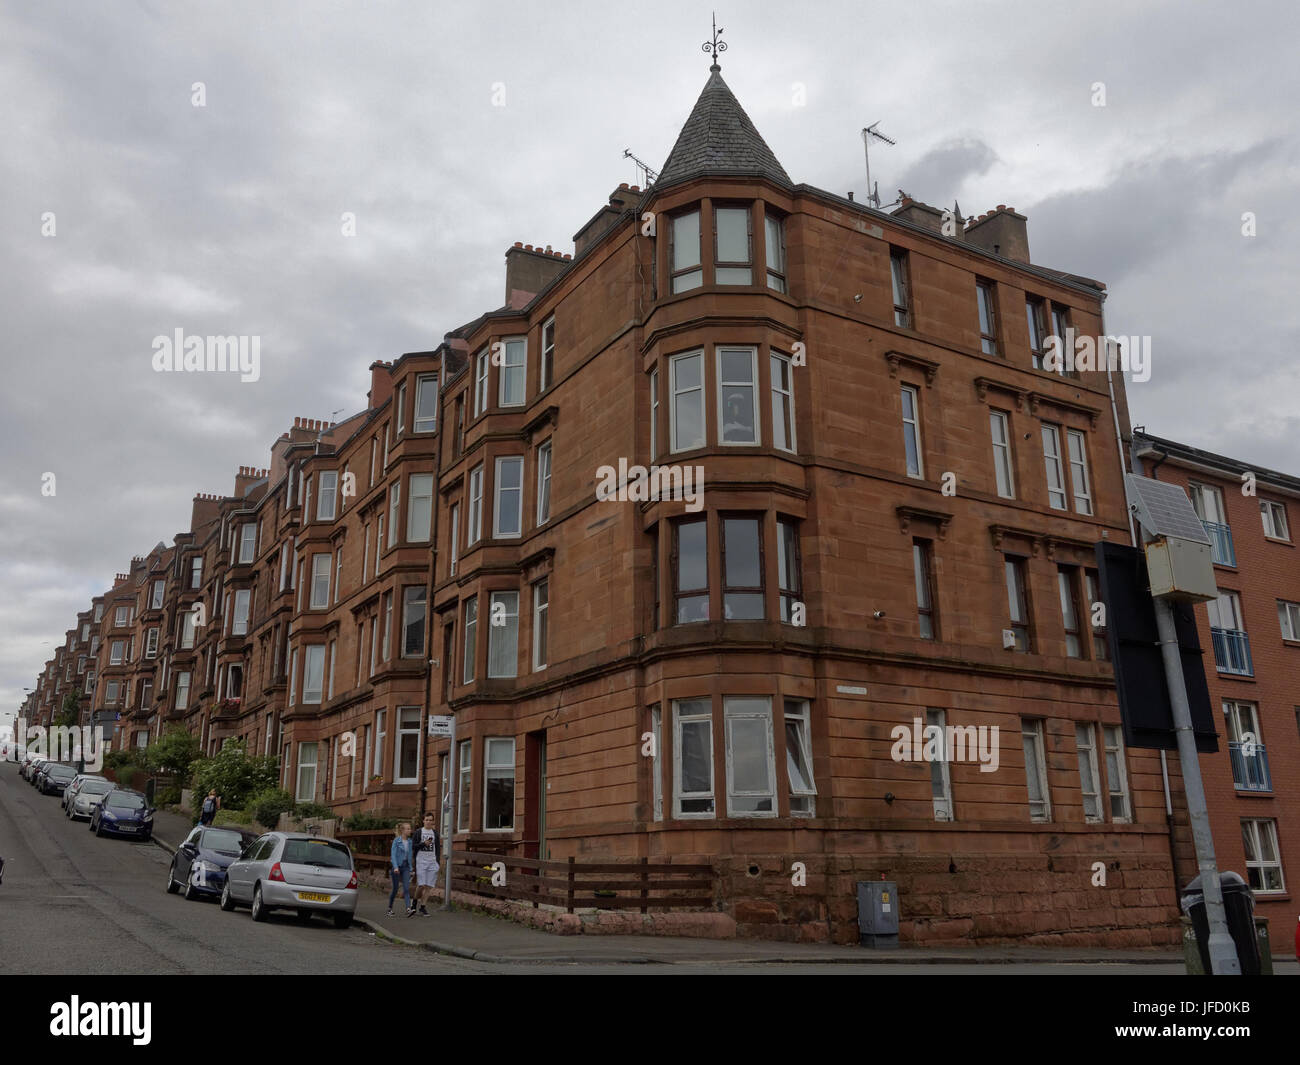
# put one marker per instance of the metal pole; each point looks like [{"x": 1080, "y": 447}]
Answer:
[
  {"x": 866, "y": 152},
  {"x": 1223, "y": 951},
  {"x": 453, "y": 773}
]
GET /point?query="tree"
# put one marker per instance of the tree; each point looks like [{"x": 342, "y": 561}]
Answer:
[
  {"x": 69, "y": 711},
  {"x": 174, "y": 752}
]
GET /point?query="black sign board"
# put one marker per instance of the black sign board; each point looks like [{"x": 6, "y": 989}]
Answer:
[{"x": 1135, "y": 651}]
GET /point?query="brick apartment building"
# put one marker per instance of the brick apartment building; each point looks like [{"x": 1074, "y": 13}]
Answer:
[
  {"x": 1251, "y": 636},
  {"x": 900, "y": 502}
]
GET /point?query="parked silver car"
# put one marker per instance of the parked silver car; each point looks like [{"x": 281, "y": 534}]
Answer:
[
  {"x": 293, "y": 871},
  {"x": 82, "y": 795}
]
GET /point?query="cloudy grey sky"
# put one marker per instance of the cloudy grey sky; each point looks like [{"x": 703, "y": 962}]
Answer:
[{"x": 225, "y": 219}]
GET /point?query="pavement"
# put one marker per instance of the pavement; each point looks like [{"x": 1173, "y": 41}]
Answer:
[{"x": 479, "y": 937}]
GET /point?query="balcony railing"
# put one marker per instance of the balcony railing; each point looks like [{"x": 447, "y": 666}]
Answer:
[
  {"x": 1250, "y": 771},
  {"x": 1232, "y": 652},
  {"x": 1220, "y": 543}
]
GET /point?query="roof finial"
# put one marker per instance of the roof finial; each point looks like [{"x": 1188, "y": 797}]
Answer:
[{"x": 715, "y": 46}]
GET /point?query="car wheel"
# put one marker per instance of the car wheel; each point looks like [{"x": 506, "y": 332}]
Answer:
[
  {"x": 190, "y": 893},
  {"x": 172, "y": 886},
  {"x": 90, "y": 824},
  {"x": 342, "y": 920},
  {"x": 227, "y": 899},
  {"x": 259, "y": 910}
]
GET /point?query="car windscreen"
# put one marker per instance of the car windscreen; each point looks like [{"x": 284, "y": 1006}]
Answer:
[
  {"x": 65, "y": 772},
  {"x": 222, "y": 840},
  {"x": 121, "y": 800},
  {"x": 95, "y": 787},
  {"x": 324, "y": 852}
]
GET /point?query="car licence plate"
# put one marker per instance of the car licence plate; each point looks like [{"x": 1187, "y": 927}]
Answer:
[{"x": 313, "y": 896}]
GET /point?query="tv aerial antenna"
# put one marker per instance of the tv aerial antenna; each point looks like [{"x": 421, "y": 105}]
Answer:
[
  {"x": 649, "y": 175},
  {"x": 869, "y": 134}
]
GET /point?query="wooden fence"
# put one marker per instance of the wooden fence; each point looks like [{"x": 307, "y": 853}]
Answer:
[{"x": 614, "y": 885}]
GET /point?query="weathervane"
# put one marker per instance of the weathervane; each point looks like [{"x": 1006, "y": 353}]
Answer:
[{"x": 716, "y": 45}]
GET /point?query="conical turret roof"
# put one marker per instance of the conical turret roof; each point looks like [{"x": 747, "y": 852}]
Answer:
[{"x": 719, "y": 139}]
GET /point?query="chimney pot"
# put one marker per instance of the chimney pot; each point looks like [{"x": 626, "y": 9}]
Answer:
[
  {"x": 636, "y": 188},
  {"x": 519, "y": 244}
]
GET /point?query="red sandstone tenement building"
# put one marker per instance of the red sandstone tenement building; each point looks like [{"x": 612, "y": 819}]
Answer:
[
  {"x": 1251, "y": 639},
  {"x": 896, "y": 530}
]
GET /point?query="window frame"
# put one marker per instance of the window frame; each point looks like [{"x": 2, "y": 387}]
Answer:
[
  {"x": 330, "y": 478},
  {"x": 541, "y": 623},
  {"x": 546, "y": 362},
  {"x": 760, "y": 591},
  {"x": 761, "y": 711},
  {"x": 499, "y": 770},
  {"x": 680, "y": 719},
  {"x": 1085, "y": 742},
  {"x": 721, "y": 350},
  {"x": 498, "y": 533},
  {"x": 1034, "y": 730},
  {"x": 783, "y": 401},
  {"x": 481, "y": 372},
  {"x": 1004, "y": 464},
  {"x": 403, "y": 733},
  {"x": 422, "y": 382},
  {"x": 986, "y": 312},
  {"x": 496, "y": 633},
  {"x": 469, "y": 645},
  {"x": 775, "y": 222},
  {"x": 674, "y": 442},
  {"x": 915, "y": 425},
  {"x": 508, "y": 371},
  {"x": 474, "y": 531},
  {"x": 677, "y": 276},
  {"x": 544, "y": 458},
  {"x": 899, "y": 285},
  {"x": 927, "y": 613},
  {"x": 720, "y": 264},
  {"x": 694, "y": 593},
  {"x": 1269, "y": 512},
  {"x": 420, "y": 487},
  {"x": 797, "y": 713}
]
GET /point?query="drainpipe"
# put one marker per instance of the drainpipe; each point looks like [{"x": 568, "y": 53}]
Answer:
[{"x": 429, "y": 627}]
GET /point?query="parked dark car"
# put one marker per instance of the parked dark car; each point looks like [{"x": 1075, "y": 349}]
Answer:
[
  {"x": 38, "y": 772},
  {"x": 122, "y": 812},
  {"x": 30, "y": 767},
  {"x": 199, "y": 865},
  {"x": 55, "y": 777}
]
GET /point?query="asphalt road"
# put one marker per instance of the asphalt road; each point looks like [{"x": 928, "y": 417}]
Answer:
[{"x": 72, "y": 903}]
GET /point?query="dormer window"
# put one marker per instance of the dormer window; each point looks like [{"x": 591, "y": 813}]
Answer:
[
  {"x": 687, "y": 272},
  {"x": 732, "y": 254}
]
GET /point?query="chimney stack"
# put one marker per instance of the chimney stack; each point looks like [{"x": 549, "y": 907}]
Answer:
[
  {"x": 1001, "y": 231},
  {"x": 530, "y": 269}
]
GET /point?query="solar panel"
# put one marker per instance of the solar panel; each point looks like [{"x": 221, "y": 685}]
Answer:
[{"x": 1164, "y": 509}]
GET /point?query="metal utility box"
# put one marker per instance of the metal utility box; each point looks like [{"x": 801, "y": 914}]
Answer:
[
  {"x": 1181, "y": 569},
  {"x": 878, "y": 914}
]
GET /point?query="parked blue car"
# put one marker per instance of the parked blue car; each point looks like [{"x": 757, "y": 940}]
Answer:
[
  {"x": 199, "y": 865},
  {"x": 122, "y": 812}
]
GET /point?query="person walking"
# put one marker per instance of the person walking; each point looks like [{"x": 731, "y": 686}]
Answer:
[
  {"x": 428, "y": 845},
  {"x": 400, "y": 866},
  {"x": 211, "y": 804}
]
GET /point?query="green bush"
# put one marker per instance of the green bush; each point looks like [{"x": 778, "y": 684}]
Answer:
[
  {"x": 267, "y": 806},
  {"x": 125, "y": 775},
  {"x": 235, "y": 776},
  {"x": 116, "y": 760},
  {"x": 361, "y": 822},
  {"x": 313, "y": 810},
  {"x": 168, "y": 796},
  {"x": 233, "y": 817}
]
